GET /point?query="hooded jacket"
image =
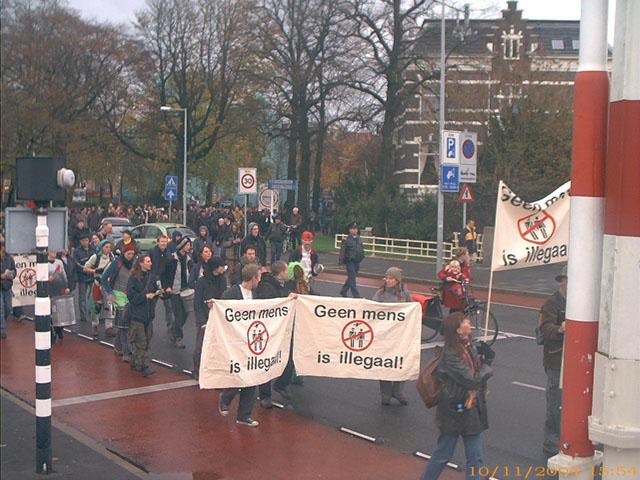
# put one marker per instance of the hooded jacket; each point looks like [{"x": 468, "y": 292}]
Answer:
[
  {"x": 200, "y": 241},
  {"x": 272, "y": 287},
  {"x": 259, "y": 244},
  {"x": 207, "y": 286},
  {"x": 141, "y": 309}
]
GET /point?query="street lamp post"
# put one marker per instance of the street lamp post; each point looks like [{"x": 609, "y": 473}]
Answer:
[{"x": 164, "y": 108}]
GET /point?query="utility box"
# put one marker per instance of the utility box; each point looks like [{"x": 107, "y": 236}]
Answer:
[
  {"x": 20, "y": 228},
  {"x": 37, "y": 179}
]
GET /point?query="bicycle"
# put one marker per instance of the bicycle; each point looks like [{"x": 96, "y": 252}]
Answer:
[{"x": 476, "y": 311}]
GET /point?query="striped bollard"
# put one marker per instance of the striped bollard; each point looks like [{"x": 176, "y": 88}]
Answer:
[
  {"x": 43, "y": 348},
  {"x": 577, "y": 457},
  {"x": 615, "y": 421}
]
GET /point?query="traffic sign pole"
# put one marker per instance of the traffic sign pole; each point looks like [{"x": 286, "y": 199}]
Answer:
[{"x": 464, "y": 215}]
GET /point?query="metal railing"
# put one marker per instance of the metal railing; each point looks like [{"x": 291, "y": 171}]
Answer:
[{"x": 406, "y": 248}]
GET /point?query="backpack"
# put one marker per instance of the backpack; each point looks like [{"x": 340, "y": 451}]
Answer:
[{"x": 428, "y": 384}]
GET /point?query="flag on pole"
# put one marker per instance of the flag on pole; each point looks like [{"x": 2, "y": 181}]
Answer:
[{"x": 529, "y": 234}]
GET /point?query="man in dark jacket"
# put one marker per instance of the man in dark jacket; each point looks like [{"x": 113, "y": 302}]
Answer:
[
  {"x": 203, "y": 239},
  {"x": 248, "y": 258},
  {"x": 273, "y": 285},
  {"x": 160, "y": 256},
  {"x": 211, "y": 285},
  {"x": 295, "y": 222},
  {"x": 78, "y": 232},
  {"x": 243, "y": 291},
  {"x": 175, "y": 279},
  {"x": 253, "y": 239},
  {"x": 276, "y": 235},
  {"x": 552, "y": 329},
  {"x": 176, "y": 237},
  {"x": 81, "y": 255},
  {"x": 142, "y": 292},
  {"x": 351, "y": 254},
  {"x": 7, "y": 273}
]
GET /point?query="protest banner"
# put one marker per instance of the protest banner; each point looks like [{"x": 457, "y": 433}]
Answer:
[
  {"x": 246, "y": 342},
  {"x": 357, "y": 338},
  {"x": 530, "y": 234},
  {"x": 24, "y": 285}
]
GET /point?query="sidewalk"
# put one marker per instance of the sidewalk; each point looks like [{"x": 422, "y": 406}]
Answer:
[
  {"x": 532, "y": 280},
  {"x": 72, "y": 458}
]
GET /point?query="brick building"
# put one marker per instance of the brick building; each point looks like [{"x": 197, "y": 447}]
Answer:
[{"x": 490, "y": 64}]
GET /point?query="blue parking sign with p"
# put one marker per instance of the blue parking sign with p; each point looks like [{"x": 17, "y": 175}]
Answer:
[{"x": 451, "y": 147}]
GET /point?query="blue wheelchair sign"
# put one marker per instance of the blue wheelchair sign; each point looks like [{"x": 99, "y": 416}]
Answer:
[{"x": 449, "y": 178}]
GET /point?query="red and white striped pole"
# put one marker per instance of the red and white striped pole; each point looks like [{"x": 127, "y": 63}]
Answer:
[
  {"x": 616, "y": 413},
  {"x": 591, "y": 102}
]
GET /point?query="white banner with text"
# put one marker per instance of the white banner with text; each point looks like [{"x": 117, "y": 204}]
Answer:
[
  {"x": 529, "y": 234},
  {"x": 246, "y": 342},
  {"x": 357, "y": 338}
]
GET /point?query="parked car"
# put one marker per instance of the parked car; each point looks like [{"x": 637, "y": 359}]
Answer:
[
  {"x": 119, "y": 224},
  {"x": 147, "y": 234}
]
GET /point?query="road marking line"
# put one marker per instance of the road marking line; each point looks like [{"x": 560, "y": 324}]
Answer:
[
  {"x": 528, "y": 385},
  {"x": 160, "y": 362},
  {"x": 128, "y": 392},
  {"x": 106, "y": 343},
  {"x": 428, "y": 457},
  {"x": 517, "y": 335},
  {"x": 86, "y": 337},
  {"x": 358, "y": 434}
]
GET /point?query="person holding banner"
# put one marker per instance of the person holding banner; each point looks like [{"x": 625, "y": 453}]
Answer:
[
  {"x": 274, "y": 285},
  {"x": 392, "y": 291},
  {"x": 461, "y": 411},
  {"x": 244, "y": 291},
  {"x": 211, "y": 284},
  {"x": 7, "y": 273}
]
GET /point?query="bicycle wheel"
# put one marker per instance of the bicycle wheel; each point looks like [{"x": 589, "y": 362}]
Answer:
[
  {"x": 432, "y": 322},
  {"x": 478, "y": 315}
]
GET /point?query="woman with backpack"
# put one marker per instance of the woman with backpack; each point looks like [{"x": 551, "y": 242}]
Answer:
[
  {"x": 392, "y": 291},
  {"x": 461, "y": 410},
  {"x": 114, "y": 284}
]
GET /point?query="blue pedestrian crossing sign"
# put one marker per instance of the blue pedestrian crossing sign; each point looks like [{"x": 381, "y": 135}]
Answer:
[
  {"x": 449, "y": 178},
  {"x": 170, "y": 187}
]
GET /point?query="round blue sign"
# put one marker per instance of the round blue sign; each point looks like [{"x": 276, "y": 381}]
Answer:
[{"x": 468, "y": 148}]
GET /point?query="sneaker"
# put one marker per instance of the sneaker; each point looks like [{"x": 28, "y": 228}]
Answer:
[
  {"x": 94, "y": 330},
  {"x": 284, "y": 392},
  {"x": 147, "y": 372},
  {"x": 126, "y": 358},
  {"x": 249, "y": 422},
  {"x": 118, "y": 352},
  {"x": 110, "y": 332},
  {"x": 266, "y": 402},
  {"x": 179, "y": 343},
  {"x": 222, "y": 408},
  {"x": 402, "y": 399}
]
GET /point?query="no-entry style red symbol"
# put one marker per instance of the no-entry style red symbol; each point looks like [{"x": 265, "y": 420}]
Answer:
[
  {"x": 257, "y": 337},
  {"x": 27, "y": 278},
  {"x": 357, "y": 335},
  {"x": 537, "y": 227}
]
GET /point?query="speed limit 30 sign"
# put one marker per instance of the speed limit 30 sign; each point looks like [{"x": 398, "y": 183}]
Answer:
[{"x": 247, "y": 181}]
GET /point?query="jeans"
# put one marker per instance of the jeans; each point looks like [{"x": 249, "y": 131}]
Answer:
[
  {"x": 83, "y": 297},
  {"x": 197, "y": 352},
  {"x": 551, "y": 443},
  {"x": 444, "y": 451},
  {"x": 5, "y": 309},
  {"x": 276, "y": 251},
  {"x": 179, "y": 317},
  {"x": 350, "y": 283}
]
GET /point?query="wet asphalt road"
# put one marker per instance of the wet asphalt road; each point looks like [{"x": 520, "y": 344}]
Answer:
[{"x": 516, "y": 410}]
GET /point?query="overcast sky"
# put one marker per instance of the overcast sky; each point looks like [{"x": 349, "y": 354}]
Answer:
[{"x": 123, "y": 11}]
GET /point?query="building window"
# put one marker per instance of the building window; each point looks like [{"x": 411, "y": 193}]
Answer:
[
  {"x": 575, "y": 44},
  {"x": 557, "y": 44},
  {"x": 511, "y": 44}
]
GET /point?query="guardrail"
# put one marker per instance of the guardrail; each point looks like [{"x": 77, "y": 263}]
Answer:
[{"x": 406, "y": 248}]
